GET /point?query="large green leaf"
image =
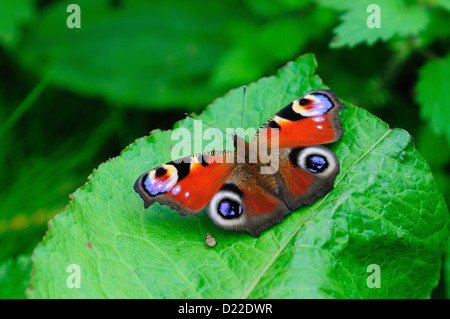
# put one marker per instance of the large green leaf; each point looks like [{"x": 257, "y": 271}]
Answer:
[
  {"x": 385, "y": 210},
  {"x": 446, "y": 267}
]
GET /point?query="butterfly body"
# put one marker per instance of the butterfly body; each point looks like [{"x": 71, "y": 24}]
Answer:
[{"x": 239, "y": 188}]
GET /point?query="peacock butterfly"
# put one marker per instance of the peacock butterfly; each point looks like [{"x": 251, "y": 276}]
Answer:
[{"x": 232, "y": 187}]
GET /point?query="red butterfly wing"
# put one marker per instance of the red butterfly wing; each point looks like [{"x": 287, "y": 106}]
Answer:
[
  {"x": 245, "y": 203},
  {"x": 312, "y": 119},
  {"x": 187, "y": 184},
  {"x": 305, "y": 174}
]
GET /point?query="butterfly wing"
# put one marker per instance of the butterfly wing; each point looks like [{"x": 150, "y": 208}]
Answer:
[
  {"x": 312, "y": 119},
  {"x": 305, "y": 174},
  {"x": 306, "y": 170},
  {"x": 187, "y": 184},
  {"x": 247, "y": 201}
]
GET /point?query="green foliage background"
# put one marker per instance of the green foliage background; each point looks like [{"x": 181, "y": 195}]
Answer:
[{"x": 73, "y": 98}]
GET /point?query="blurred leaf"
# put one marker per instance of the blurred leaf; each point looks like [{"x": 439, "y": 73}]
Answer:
[
  {"x": 21, "y": 109},
  {"x": 433, "y": 147},
  {"x": 432, "y": 94},
  {"x": 447, "y": 270},
  {"x": 54, "y": 149},
  {"x": 436, "y": 151},
  {"x": 277, "y": 41},
  {"x": 337, "y": 5},
  {"x": 437, "y": 29},
  {"x": 353, "y": 79},
  {"x": 139, "y": 52},
  {"x": 270, "y": 8},
  {"x": 15, "y": 276},
  {"x": 172, "y": 54},
  {"x": 13, "y": 14},
  {"x": 396, "y": 18},
  {"x": 397, "y": 221},
  {"x": 443, "y": 3}
]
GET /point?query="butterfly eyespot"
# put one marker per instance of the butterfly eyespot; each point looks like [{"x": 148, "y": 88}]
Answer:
[
  {"x": 312, "y": 105},
  {"x": 226, "y": 207},
  {"x": 229, "y": 208},
  {"x": 160, "y": 171},
  {"x": 316, "y": 163},
  {"x": 160, "y": 180},
  {"x": 315, "y": 159},
  {"x": 304, "y": 101}
]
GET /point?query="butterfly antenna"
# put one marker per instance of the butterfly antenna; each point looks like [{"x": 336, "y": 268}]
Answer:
[
  {"x": 243, "y": 105},
  {"x": 208, "y": 124}
]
